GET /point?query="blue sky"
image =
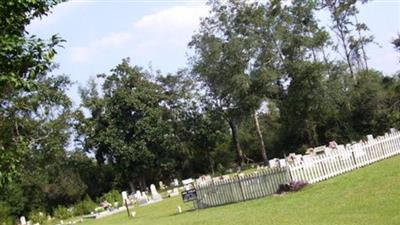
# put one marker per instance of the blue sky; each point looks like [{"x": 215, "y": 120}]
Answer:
[{"x": 99, "y": 33}]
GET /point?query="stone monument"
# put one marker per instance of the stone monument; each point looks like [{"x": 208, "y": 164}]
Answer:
[{"x": 155, "y": 196}]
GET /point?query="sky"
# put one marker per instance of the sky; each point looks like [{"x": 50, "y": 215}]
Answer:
[{"x": 155, "y": 33}]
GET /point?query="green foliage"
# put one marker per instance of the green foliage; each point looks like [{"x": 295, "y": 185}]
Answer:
[
  {"x": 62, "y": 212},
  {"x": 259, "y": 69},
  {"x": 112, "y": 197},
  {"x": 86, "y": 206},
  {"x": 5, "y": 214},
  {"x": 38, "y": 216},
  {"x": 24, "y": 59},
  {"x": 318, "y": 202}
]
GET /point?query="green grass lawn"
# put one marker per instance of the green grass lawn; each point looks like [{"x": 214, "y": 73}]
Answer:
[{"x": 370, "y": 195}]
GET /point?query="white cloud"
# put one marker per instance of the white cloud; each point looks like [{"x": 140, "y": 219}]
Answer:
[
  {"x": 153, "y": 37},
  {"x": 179, "y": 17},
  {"x": 81, "y": 54},
  {"x": 114, "y": 39},
  {"x": 56, "y": 14}
]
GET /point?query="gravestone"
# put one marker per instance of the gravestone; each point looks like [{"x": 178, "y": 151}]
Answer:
[
  {"x": 319, "y": 150},
  {"x": 204, "y": 179},
  {"x": 341, "y": 148},
  {"x": 124, "y": 196},
  {"x": 23, "y": 220},
  {"x": 370, "y": 137},
  {"x": 188, "y": 183},
  {"x": 273, "y": 163},
  {"x": 175, "y": 192},
  {"x": 155, "y": 196},
  {"x": 161, "y": 184},
  {"x": 282, "y": 162},
  {"x": 143, "y": 200},
  {"x": 176, "y": 182},
  {"x": 138, "y": 194},
  {"x": 333, "y": 145}
]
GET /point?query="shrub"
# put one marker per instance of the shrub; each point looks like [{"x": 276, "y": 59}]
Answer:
[
  {"x": 84, "y": 207},
  {"x": 297, "y": 185},
  {"x": 38, "y": 217},
  {"x": 5, "y": 217},
  {"x": 292, "y": 186},
  {"x": 62, "y": 212},
  {"x": 112, "y": 196}
]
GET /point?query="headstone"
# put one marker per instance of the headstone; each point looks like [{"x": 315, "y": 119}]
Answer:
[
  {"x": 23, "y": 220},
  {"x": 144, "y": 195},
  {"x": 309, "y": 151},
  {"x": 333, "y": 145},
  {"x": 176, "y": 182},
  {"x": 175, "y": 192},
  {"x": 273, "y": 163},
  {"x": 155, "y": 196},
  {"x": 188, "y": 183},
  {"x": 138, "y": 194},
  {"x": 124, "y": 196},
  {"x": 204, "y": 179},
  {"x": 161, "y": 184},
  {"x": 143, "y": 200},
  {"x": 370, "y": 137},
  {"x": 319, "y": 150},
  {"x": 282, "y": 162},
  {"x": 341, "y": 148}
]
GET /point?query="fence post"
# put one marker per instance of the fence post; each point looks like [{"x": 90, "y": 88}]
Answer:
[{"x": 241, "y": 188}]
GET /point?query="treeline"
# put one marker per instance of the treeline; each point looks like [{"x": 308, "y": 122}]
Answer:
[{"x": 265, "y": 80}]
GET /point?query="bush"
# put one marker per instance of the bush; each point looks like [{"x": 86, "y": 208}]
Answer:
[
  {"x": 84, "y": 207},
  {"x": 38, "y": 217},
  {"x": 112, "y": 196},
  {"x": 62, "y": 212},
  {"x": 5, "y": 217},
  {"x": 291, "y": 187}
]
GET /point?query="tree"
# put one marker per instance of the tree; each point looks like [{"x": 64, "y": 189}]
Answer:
[
  {"x": 396, "y": 43},
  {"x": 227, "y": 46},
  {"x": 40, "y": 122},
  {"x": 24, "y": 59},
  {"x": 344, "y": 23},
  {"x": 127, "y": 126}
]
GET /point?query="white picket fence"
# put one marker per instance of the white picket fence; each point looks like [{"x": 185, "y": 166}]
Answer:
[
  {"x": 322, "y": 167},
  {"x": 311, "y": 169}
]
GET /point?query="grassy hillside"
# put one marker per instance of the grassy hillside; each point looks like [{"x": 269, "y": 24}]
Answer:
[{"x": 370, "y": 195}]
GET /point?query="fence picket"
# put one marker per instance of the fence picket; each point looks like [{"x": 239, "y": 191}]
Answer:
[{"x": 314, "y": 169}]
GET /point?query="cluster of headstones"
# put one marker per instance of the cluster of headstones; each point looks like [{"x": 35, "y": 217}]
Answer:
[
  {"x": 143, "y": 199},
  {"x": 327, "y": 150}
]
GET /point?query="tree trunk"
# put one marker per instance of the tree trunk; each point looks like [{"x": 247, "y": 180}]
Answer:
[
  {"x": 132, "y": 186},
  {"x": 362, "y": 47},
  {"x": 260, "y": 138},
  {"x": 235, "y": 139}
]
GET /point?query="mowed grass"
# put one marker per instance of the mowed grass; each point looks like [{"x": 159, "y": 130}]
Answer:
[{"x": 370, "y": 195}]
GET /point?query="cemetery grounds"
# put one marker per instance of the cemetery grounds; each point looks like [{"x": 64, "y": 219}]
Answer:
[{"x": 368, "y": 196}]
